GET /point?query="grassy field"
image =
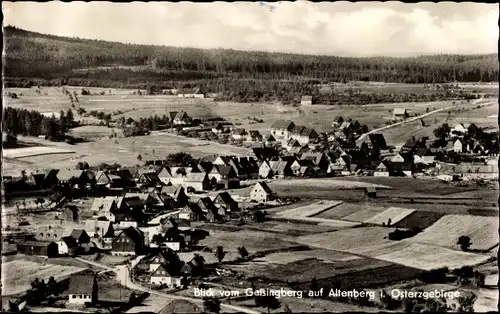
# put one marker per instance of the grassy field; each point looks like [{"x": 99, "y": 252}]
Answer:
[
  {"x": 17, "y": 275},
  {"x": 309, "y": 210},
  {"x": 123, "y": 151},
  {"x": 427, "y": 257},
  {"x": 394, "y": 214},
  {"x": 483, "y": 231},
  {"x": 366, "y": 213},
  {"x": 34, "y": 151},
  {"x": 327, "y": 256}
]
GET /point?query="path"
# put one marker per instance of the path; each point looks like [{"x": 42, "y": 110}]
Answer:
[
  {"x": 410, "y": 120},
  {"x": 123, "y": 276}
]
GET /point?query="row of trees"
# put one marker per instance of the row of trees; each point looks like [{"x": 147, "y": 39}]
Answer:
[{"x": 33, "y": 123}]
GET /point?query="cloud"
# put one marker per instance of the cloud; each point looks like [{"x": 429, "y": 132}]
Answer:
[{"x": 342, "y": 28}]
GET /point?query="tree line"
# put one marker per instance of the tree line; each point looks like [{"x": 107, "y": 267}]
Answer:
[
  {"x": 33, "y": 123},
  {"x": 47, "y": 57}
]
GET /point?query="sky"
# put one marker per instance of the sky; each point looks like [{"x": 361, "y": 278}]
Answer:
[{"x": 338, "y": 28}]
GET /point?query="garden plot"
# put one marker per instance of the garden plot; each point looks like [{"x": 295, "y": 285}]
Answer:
[
  {"x": 483, "y": 231},
  {"x": 427, "y": 257},
  {"x": 34, "y": 151},
  {"x": 394, "y": 214}
]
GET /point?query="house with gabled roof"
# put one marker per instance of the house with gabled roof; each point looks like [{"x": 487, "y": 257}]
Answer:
[
  {"x": 83, "y": 289},
  {"x": 43, "y": 178},
  {"x": 382, "y": 169},
  {"x": 261, "y": 192},
  {"x": 159, "y": 259},
  {"x": 180, "y": 118},
  {"x": 197, "y": 181},
  {"x": 424, "y": 155},
  {"x": 224, "y": 199},
  {"x": 191, "y": 212},
  {"x": 303, "y": 134},
  {"x": 270, "y": 140},
  {"x": 72, "y": 178},
  {"x": 282, "y": 129},
  {"x": 165, "y": 176},
  {"x": 130, "y": 241},
  {"x": 239, "y": 133},
  {"x": 375, "y": 141},
  {"x": 205, "y": 204},
  {"x": 306, "y": 100},
  {"x": 100, "y": 231},
  {"x": 265, "y": 171}
]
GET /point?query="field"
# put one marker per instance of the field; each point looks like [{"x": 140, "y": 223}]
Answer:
[
  {"x": 424, "y": 256},
  {"x": 34, "y": 151},
  {"x": 290, "y": 228},
  {"x": 124, "y": 153},
  {"x": 309, "y": 210},
  {"x": 483, "y": 231},
  {"x": 419, "y": 219},
  {"x": 17, "y": 275},
  {"x": 326, "y": 256},
  {"x": 367, "y": 213},
  {"x": 394, "y": 214}
]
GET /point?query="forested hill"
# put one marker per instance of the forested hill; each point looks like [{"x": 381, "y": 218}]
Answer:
[{"x": 48, "y": 58}]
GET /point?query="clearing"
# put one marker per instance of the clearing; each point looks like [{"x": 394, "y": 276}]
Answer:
[
  {"x": 483, "y": 231},
  {"x": 17, "y": 275}
]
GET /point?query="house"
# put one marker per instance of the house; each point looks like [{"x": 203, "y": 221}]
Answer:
[
  {"x": 397, "y": 158},
  {"x": 197, "y": 182},
  {"x": 67, "y": 246},
  {"x": 306, "y": 100},
  {"x": 375, "y": 141},
  {"x": 107, "y": 180},
  {"x": 347, "y": 128},
  {"x": 206, "y": 204},
  {"x": 130, "y": 241},
  {"x": 224, "y": 199},
  {"x": 239, "y": 134},
  {"x": 165, "y": 176},
  {"x": 282, "y": 128},
  {"x": 72, "y": 178},
  {"x": 459, "y": 129},
  {"x": 43, "y": 178},
  {"x": 423, "y": 155},
  {"x": 254, "y": 136},
  {"x": 265, "y": 171},
  {"x": 195, "y": 267},
  {"x": 164, "y": 275},
  {"x": 180, "y": 118},
  {"x": 261, "y": 192},
  {"x": 399, "y": 113},
  {"x": 303, "y": 135},
  {"x": 148, "y": 179},
  {"x": 223, "y": 160},
  {"x": 83, "y": 289},
  {"x": 382, "y": 170},
  {"x": 270, "y": 140},
  {"x": 404, "y": 169},
  {"x": 265, "y": 153},
  {"x": 160, "y": 259},
  {"x": 40, "y": 248},
  {"x": 82, "y": 239},
  {"x": 341, "y": 165},
  {"x": 100, "y": 231},
  {"x": 51, "y": 233},
  {"x": 104, "y": 204},
  {"x": 458, "y": 146},
  {"x": 217, "y": 127},
  {"x": 191, "y": 212}
]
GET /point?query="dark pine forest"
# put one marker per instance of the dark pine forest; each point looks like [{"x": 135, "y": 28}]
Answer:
[{"x": 38, "y": 59}]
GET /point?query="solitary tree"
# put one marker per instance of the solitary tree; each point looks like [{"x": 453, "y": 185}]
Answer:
[
  {"x": 270, "y": 302},
  {"x": 464, "y": 242},
  {"x": 466, "y": 301},
  {"x": 220, "y": 253},
  {"x": 139, "y": 157}
]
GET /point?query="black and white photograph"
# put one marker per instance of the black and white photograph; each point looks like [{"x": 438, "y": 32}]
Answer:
[{"x": 250, "y": 157}]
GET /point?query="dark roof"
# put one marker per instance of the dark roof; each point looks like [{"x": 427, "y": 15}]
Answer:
[
  {"x": 70, "y": 241},
  {"x": 206, "y": 202},
  {"x": 254, "y": 133},
  {"x": 165, "y": 267},
  {"x": 134, "y": 233},
  {"x": 66, "y": 175},
  {"x": 265, "y": 153},
  {"x": 239, "y": 131},
  {"x": 377, "y": 140},
  {"x": 283, "y": 124},
  {"x": 225, "y": 197},
  {"x": 77, "y": 233},
  {"x": 265, "y": 187},
  {"x": 81, "y": 284}
]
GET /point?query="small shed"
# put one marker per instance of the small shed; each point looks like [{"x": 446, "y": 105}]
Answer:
[{"x": 370, "y": 192}]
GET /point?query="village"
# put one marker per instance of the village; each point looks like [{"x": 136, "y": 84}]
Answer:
[{"x": 152, "y": 217}]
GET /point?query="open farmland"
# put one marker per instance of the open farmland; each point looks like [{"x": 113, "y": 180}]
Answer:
[
  {"x": 366, "y": 213},
  {"x": 17, "y": 275},
  {"x": 392, "y": 214},
  {"x": 327, "y": 256},
  {"x": 418, "y": 219},
  {"x": 427, "y": 257},
  {"x": 483, "y": 231},
  {"x": 123, "y": 151},
  {"x": 309, "y": 210}
]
